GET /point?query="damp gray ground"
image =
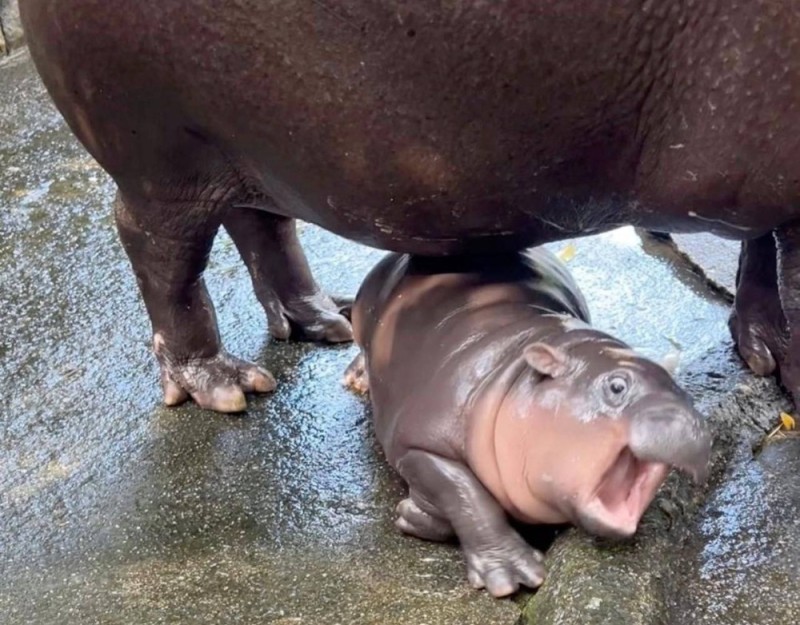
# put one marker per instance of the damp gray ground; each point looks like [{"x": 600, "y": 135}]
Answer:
[{"x": 114, "y": 509}]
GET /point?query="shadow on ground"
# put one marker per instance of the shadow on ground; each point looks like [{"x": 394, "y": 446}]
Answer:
[{"x": 116, "y": 510}]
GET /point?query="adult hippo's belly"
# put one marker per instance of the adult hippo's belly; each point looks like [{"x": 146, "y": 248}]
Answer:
[{"x": 468, "y": 126}]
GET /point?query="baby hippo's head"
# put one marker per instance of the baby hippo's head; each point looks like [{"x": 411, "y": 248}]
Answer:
[{"x": 597, "y": 428}]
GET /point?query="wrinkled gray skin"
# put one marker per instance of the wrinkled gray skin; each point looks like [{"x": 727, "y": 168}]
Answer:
[
  {"x": 492, "y": 396},
  {"x": 427, "y": 128}
]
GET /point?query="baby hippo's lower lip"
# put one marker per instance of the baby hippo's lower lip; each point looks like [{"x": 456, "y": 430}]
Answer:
[{"x": 616, "y": 505}]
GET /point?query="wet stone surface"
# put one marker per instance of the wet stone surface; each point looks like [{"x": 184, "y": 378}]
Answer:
[
  {"x": 114, "y": 509},
  {"x": 717, "y": 258},
  {"x": 741, "y": 562}
]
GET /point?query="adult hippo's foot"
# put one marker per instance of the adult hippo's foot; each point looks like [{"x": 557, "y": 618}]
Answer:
[
  {"x": 282, "y": 280},
  {"x": 215, "y": 383},
  {"x": 169, "y": 271},
  {"x": 757, "y": 323}
]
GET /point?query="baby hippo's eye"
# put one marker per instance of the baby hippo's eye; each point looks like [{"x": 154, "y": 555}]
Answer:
[{"x": 616, "y": 388}]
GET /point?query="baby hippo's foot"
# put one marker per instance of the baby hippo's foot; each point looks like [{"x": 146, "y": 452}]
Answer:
[
  {"x": 355, "y": 376},
  {"x": 413, "y": 520},
  {"x": 215, "y": 383},
  {"x": 315, "y": 318},
  {"x": 504, "y": 566}
]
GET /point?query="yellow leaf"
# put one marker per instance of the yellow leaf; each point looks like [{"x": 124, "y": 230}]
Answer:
[
  {"x": 787, "y": 421},
  {"x": 568, "y": 253}
]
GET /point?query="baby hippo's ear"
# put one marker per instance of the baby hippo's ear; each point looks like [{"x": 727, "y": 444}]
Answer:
[{"x": 549, "y": 361}]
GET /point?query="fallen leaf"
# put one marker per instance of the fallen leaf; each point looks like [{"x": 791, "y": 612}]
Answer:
[
  {"x": 787, "y": 422},
  {"x": 568, "y": 253}
]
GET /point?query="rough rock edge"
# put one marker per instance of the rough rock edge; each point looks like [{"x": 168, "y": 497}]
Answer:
[
  {"x": 659, "y": 238},
  {"x": 591, "y": 584}
]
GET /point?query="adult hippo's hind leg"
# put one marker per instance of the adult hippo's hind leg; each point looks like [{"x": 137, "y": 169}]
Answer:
[
  {"x": 282, "y": 280},
  {"x": 168, "y": 243},
  {"x": 788, "y": 266},
  {"x": 497, "y": 556},
  {"x": 757, "y": 323}
]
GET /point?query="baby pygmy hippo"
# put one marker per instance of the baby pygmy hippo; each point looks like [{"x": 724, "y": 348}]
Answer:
[{"x": 493, "y": 396}]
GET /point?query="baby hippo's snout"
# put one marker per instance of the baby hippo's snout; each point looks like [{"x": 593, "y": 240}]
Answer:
[
  {"x": 655, "y": 429},
  {"x": 665, "y": 432},
  {"x": 671, "y": 432}
]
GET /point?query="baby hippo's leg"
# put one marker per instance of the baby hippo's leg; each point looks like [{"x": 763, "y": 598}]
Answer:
[
  {"x": 497, "y": 556},
  {"x": 412, "y": 519},
  {"x": 355, "y": 376}
]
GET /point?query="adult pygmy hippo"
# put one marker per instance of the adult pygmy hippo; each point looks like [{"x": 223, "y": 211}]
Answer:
[
  {"x": 429, "y": 128},
  {"x": 492, "y": 394}
]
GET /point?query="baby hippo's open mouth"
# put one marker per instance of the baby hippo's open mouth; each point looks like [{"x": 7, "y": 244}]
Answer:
[{"x": 622, "y": 495}]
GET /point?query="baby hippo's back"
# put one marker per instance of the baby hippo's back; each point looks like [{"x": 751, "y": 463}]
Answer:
[{"x": 433, "y": 330}]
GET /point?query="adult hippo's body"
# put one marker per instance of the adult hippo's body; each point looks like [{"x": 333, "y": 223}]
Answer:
[{"x": 429, "y": 128}]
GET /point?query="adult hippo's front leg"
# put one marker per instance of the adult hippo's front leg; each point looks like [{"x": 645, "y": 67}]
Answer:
[
  {"x": 168, "y": 244},
  {"x": 766, "y": 318},
  {"x": 282, "y": 280},
  {"x": 169, "y": 262}
]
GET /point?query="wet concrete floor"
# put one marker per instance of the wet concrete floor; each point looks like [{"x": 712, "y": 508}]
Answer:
[
  {"x": 741, "y": 562},
  {"x": 744, "y": 561},
  {"x": 114, "y": 509}
]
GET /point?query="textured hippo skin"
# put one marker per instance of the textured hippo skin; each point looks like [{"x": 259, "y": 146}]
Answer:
[
  {"x": 427, "y": 128},
  {"x": 493, "y": 396}
]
